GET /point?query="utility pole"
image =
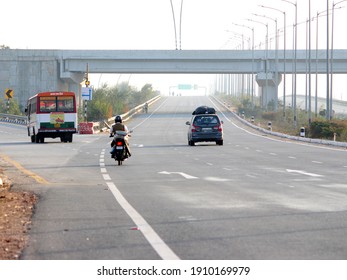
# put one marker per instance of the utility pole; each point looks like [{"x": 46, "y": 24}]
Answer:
[{"x": 87, "y": 83}]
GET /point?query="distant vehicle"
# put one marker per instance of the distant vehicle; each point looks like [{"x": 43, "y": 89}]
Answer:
[
  {"x": 205, "y": 127},
  {"x": 51, "y": 115},
  {"x": 204, "y": 110}
]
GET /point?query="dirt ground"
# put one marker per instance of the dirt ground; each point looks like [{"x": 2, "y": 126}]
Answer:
[{"x": 16, "y": 210}]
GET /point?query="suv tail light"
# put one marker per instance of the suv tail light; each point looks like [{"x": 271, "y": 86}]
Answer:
[
  {"x": 195, "y": 128},
  {"x": 218, "y": 127}
]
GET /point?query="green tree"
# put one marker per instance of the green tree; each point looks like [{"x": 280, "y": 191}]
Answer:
[
  {"x": 3, "y": 47},
  {"x": 116, "y": 100},
  {"x": 13, "y": 109}
]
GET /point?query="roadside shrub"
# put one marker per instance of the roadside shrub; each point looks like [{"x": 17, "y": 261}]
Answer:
[
  {"x": 270, "y": 116},
  {"x": 325, "y": 129}
]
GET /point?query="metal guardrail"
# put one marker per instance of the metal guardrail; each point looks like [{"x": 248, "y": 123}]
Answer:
[
  {"x": 126, "y": 116},
  {"x": 282, "y": 135},
  {"x": 14, "y": 119}
]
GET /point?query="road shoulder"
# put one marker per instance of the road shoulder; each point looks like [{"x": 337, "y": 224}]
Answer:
[{"x": 16, "y": 207}]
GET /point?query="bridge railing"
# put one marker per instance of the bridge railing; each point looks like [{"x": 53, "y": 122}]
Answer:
[{"x": 14, "y": 119}]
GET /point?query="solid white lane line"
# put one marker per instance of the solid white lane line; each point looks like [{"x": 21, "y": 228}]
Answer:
[
  {"x": 318, "y": 162},
  {"x": 304, "y": 173},
  {"x": 152, "y": 237}
]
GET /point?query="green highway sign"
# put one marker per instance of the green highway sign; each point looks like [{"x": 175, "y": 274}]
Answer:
[{"x": 185, "y": 87}]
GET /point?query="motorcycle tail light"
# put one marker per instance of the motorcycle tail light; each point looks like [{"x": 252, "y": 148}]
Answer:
[{"x": 119, "y": 143}]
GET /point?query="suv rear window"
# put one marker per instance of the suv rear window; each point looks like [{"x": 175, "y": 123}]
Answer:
[{"x": 206, "y": 120}]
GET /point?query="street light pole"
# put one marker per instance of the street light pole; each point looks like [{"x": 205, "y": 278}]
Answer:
[
  {"x": 327, "y": 68},
  {"x": 266, "y": 52},
  {"x": 309, "y": 66},
  {"x": 316, "y": 89},
  {"x": 174, "y": 22},
  {"x": 243, "y": 38},
  {"x": 252, "y": 29},
  {"x": 295, "y": 57},
  {"x": 276, "y": 55},
  {"x": 284, "y": 54},
  {"x": 332, "y": 56},
  {"x": 181, "y": 24}
]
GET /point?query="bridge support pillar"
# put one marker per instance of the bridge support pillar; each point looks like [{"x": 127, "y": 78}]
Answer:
[
  {"x": 268, "y": 84},
  {"x": 73, "y": 81}
]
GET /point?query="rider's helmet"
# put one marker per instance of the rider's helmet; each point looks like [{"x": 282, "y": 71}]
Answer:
[{"x": 118, "y": 119}]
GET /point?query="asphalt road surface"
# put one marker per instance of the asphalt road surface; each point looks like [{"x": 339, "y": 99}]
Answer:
[{"x": 255, "y": 197}]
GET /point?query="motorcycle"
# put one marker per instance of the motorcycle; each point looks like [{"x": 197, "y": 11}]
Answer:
[{"x": 119, "y": 148}]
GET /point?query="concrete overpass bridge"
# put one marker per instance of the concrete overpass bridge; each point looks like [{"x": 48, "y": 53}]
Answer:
[{"x": 30, "y": 71}]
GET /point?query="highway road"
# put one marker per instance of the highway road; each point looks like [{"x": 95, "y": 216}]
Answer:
[{"x": 255, "y": 197}]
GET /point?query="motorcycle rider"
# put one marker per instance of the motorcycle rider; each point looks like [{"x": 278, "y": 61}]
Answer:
[{"x": 120, "y": 126}]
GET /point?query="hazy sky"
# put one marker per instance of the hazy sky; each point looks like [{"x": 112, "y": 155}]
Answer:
[{"x": 148, "y": 24}]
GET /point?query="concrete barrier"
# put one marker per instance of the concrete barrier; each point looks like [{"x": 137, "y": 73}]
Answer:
[{"x": 86, "y": 128}]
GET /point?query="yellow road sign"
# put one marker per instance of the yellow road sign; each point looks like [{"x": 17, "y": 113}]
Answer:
[{"x": 8, "y": 93}]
